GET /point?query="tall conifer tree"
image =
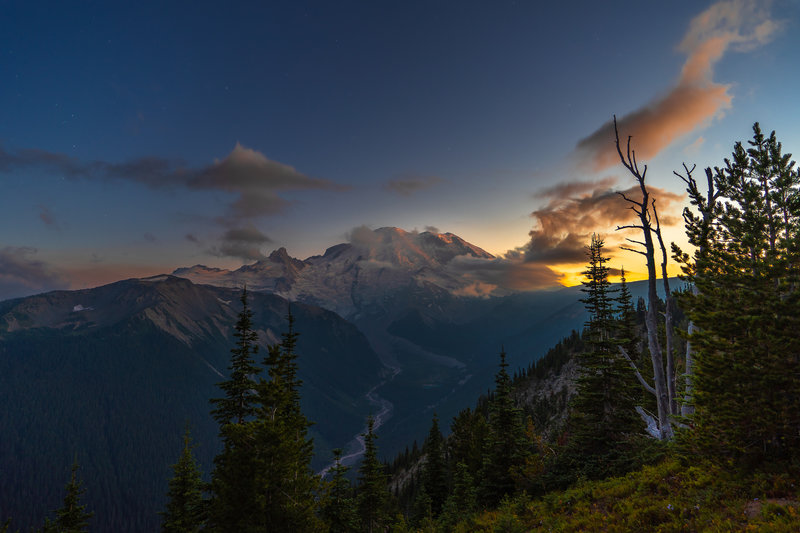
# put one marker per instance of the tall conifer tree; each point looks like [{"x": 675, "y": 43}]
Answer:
[
  {"x": 237, "y": 405},
  {"x": 72, "y": 517},
  {"x": 338, "y": 507},
  {"x": 434, "y": 476},
  {"x": 373, "y": 492},
  {"x": 462, "y": 500},
  {"x": 603, "y": 419},
  {"x": 282, "y": 448},
  {"x": 505, "y": 445},
  {"x": 746, "y": 386},
  {"x": 185, "y": 510},
  {"x": 468, "y": 434},
  {"x": 233, "y": 486}
]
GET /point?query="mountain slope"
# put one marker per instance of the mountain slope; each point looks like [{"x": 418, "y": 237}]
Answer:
[
  {"x": 437, "y": 326},
  {"x": 111, "y": 375}
]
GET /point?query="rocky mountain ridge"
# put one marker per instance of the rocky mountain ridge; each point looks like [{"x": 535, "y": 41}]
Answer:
[{"x": 358, "y": 274}]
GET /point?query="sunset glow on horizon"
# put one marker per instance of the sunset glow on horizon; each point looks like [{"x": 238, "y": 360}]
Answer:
[{"x": 138, "y": 139}]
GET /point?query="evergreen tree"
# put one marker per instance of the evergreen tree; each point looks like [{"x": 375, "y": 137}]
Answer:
[
  {"x": 505, "y": 444},
  {"x": 421, "y": 511},
  {"x": 263, "y": 479},
  {"x": 237, "y": 405},
  {"x": 746, "y": 387},
  {"x": 603, "y": 419},
  {"x": 462, "y": 500},
  {"x": 468, "y": 434},
  {"x": 282, "y": 448},
  {"x": 233, "y": 487},
  {"x": 72, "y": 517},
  {"x": 531, "y": 475},
  {"x": 373, "y": 492},
  {"x": 338, "y": 510},
  {"x": 434, "y": 477},
  {"x": 185, "y": 510}
]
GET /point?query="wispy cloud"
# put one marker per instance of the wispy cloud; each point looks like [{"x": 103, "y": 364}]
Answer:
[
  {"x": 569, "y": 189},
  {"x": 408, "y": 185},
  {"x": 695, "y": 99},
  {"x": 46, "y": 216},
  {"x": 256, "y": 181},
  {"x": 21, "y": 274},
  {"x": 509, "y": 272},
  {"x": 242, "y": 243}
]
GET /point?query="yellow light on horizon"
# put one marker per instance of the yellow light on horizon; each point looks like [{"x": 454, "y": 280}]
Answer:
[{"x": 573, "y": 273}]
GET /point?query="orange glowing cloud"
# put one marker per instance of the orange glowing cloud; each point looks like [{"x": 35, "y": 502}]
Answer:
[
  {"x": 696, "y": 99},
  {"x": 556, "y": 252},
  {"x": 565, "y": 224}
]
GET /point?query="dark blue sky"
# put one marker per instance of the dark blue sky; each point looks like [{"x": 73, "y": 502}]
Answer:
[{"x": 413, "y": 114}]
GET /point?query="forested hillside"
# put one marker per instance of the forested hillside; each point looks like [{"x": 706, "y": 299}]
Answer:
[
  {"x": 672, "y": 413},
  {"x": 111, "y": 376}
]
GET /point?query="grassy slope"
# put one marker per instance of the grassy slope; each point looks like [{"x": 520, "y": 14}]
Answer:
[{"x": 666, "y": 497}]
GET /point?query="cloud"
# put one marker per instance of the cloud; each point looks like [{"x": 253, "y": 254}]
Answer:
[
  {"x": 242, "y": 243},
  {"x": 46, "y": 216},
  {"x": 695, "y": 99},
  {"x": 408, "y": 185},
  {"x": 191, "y": 237},
  {"x": 564, "y": 225},
  {"x": 432, "y": 229},
  {"x": 478, "y": 289},
  {"x": 22, "y": 275},
  {"x": 574, "y": 210},
  {"x": 363, "y": 237},
  {"x": 694, "y": 146},
  {"x": 508, "y": 272},
  {"x": 255, "y": 180},
  {"x": 564, "y": 190},
  {"x": 149, "y": 237},
  {"x": 249, "y": 234}
]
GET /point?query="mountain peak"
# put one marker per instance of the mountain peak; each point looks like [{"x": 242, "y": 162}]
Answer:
[
  {"x": 363, "y": 271},
  {"x": 279, "y": 254},
  {"x": 282, "y": 257}
]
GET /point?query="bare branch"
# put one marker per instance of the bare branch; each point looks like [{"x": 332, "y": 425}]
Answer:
[
  {"x": 644, "y": 383},
  {"x": 630, "y": 226},
  {"x": 629, "y": 199},
  {"x": 640, "y": 243},
  {"x": 633, "y": 250}
]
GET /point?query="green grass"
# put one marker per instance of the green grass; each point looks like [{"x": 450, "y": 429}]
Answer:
[{"x": 667, "y": 497}]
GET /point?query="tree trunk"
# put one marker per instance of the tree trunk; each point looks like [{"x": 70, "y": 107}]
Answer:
[
  {"x": 653, "y": 344},
  {"x": 643, "y": 211}
]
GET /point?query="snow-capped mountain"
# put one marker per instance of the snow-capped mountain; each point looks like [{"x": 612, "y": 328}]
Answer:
[
  {"x": 351, "y": 278},
  {"x": 276, "y": 274}
]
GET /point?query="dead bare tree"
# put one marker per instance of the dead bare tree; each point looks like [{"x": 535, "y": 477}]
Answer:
[
  {"x": 645, "y": 211},
  {"x": 668, "y": 320}
]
